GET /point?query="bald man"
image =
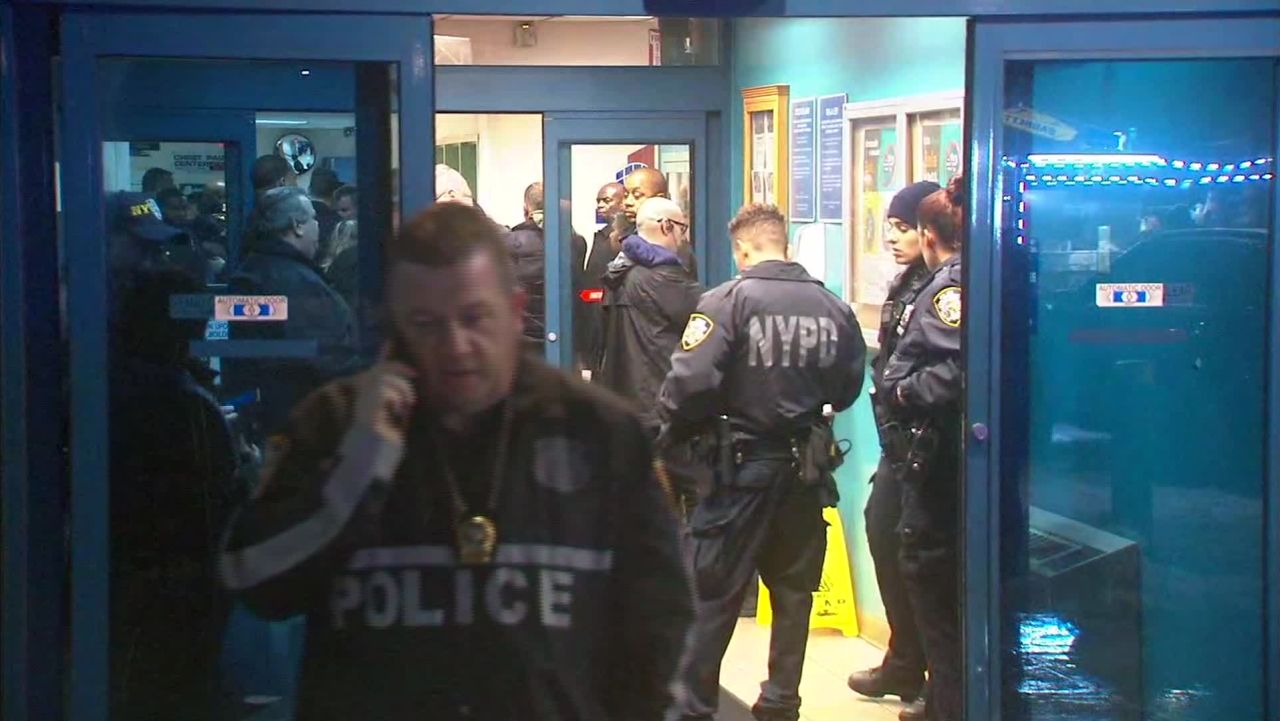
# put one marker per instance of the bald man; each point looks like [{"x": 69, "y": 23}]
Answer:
[
  {"x": 451, "y": 187},
  {"x": 641, "y": 185},
  {"x": 649, "y": 295},
  {"x": 588, "y": 316}
]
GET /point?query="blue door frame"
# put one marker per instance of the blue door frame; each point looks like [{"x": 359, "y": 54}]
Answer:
[
  {"x": 561, "y": 131},
  {"x": 29, "y": 274},
  {"x": 992, "y": 43},
  {"x": 736, "y": 8},
  {"x": 86, "y": 37},
  {"x": 33, "y": 475}
]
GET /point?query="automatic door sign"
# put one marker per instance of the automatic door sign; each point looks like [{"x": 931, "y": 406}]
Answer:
[
  {"x": 1130, "y": 295},
  {"x": 251, "y": 308}
]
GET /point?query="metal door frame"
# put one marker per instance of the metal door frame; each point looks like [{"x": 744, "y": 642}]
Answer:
[
  {"x": 991, "y": 44},
  {"x": 560, "y": 132},
  {"x": 88, "y": 35}
]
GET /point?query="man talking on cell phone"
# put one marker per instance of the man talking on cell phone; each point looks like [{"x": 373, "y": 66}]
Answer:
[{"x": 471, "y": 533}]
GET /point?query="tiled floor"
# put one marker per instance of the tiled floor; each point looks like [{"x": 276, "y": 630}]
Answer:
[{"x": 830, "y": 659}]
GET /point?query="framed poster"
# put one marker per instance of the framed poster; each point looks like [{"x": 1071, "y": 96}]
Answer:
[
  {"x": 766, "y": 161},
  {"x": 831, "y": 185},
  {"x": 803, "y": 112}
]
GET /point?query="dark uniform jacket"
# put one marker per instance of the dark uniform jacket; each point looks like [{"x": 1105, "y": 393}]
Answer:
[
  {"x": 924, "y": 383},
  {"x": 528, "y": 246},
  {"x": 768, "y": 350},
  {"x": 588, "y": 321},
  {"x": 902, "y": 294},
  {"x": 581, "y": 616},
  {"x": 316, "y": 313},
  {"x": 648, "y": 298}
]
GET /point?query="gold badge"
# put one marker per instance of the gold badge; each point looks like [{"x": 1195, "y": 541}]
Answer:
[
  {"x": 697, "y": 330},
  {"x": 477, "y": 537},
  {"x": 947, "y": 305}
]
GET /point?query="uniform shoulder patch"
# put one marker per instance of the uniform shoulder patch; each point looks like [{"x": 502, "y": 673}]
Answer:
[
  {"x": 947, "y": 304},
  {"x": 696, "y": 331}
]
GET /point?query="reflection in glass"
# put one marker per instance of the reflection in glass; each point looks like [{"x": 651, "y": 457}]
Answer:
[
  {"x": 1137, "y": 220},
  {"x": 209, "y": 202}
]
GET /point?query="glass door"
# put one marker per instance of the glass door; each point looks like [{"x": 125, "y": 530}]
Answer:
[
  {"x": 170, "y": 138},
  {"x": 588, "y": 160},
  {"x": 1121, "y": 338}
]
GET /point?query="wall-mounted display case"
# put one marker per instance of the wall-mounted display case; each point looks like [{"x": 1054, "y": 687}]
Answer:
[
  {"x": 891, "y": 144},
  {"x": 765, "y": 143}
]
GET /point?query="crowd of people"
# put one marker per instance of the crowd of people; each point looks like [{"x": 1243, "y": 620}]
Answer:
[{"x": 473, "y": 534}]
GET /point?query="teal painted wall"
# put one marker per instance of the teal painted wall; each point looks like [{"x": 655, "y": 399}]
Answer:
[{"x": 869, "y": 59}]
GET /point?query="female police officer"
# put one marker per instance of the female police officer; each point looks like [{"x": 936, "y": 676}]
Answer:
[
  {"x": 923, "y": 382},
  {"x": 902, "y": 671}
]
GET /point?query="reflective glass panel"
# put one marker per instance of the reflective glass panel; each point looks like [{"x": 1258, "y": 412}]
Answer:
[
  {"x": 1138, "y": 221},
  {"x": 247, "y": 205}
]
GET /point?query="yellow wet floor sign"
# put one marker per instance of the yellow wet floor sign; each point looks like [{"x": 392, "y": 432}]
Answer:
[{"x": 833, "y": 604}]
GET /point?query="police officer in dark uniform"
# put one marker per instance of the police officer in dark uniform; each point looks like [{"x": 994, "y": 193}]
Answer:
[
  {"x": 922, "y": 381},
  {"x": 767, "y": 351},
  {"x": 902, "y": 671}
]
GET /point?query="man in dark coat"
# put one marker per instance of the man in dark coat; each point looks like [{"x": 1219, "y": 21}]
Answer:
[
  {"x": 281, "y": 262},
  {"x": 648, "y": 298},
  {"x": 588, "y": 318},
  {"x": 528, "y": 246}
]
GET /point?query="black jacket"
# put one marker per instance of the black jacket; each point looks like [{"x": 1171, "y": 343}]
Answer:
[
  {"x": 588, "y": 319},
  {"x": 581, "y": 616},
  {"x": 924, "y": 383},
  {"x": 528, "y": 247},
  {"x": 902, "y": 293},
  {"x": 768, "y": 349},
  {"x": 317, "y": 317},
  {"x": 647, "y": 303}
]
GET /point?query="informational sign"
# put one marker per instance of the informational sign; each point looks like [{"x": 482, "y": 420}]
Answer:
[
  {"x": 1130, "y": 295},
  {"x": 655, "y": 46},
  {"x": 1046, "y": 126},
  {"x": 217, "y": 330},
  {"x": 251, "y": 308},
  {"x": 833, "y": 604},
  {"x": 831, "y": 158},
  {"x": 200, "y": 162},
  {"x": 879, "y": 160},
  {"x": 941, "y": 147},
  {"x": 802, "y": 159}
]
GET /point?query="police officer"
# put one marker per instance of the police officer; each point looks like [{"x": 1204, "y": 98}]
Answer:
[
  {"x": 768, "y": 350},
  {"x": 922, "y": 383},
  {"x": 463, "y": 525},
  {"x": 902, "y": 671}
]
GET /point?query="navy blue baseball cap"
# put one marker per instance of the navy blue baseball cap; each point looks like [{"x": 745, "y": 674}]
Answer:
[{"x": 139, "y": 215}]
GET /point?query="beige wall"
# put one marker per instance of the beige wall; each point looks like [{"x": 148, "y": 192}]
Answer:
[{"x": 559, "y": 42}]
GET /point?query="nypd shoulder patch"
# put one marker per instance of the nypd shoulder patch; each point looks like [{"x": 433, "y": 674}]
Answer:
[
  {"x": 696, "y": 331},
  {"x": 947, "y": 304}
]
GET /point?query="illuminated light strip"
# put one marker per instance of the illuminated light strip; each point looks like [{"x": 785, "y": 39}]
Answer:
[
  {"x": 1052, "y": 180},
  {"x": 1062, "y": 160}
]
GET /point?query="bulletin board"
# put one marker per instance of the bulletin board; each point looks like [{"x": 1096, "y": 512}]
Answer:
[
  {"x": 766, "y": 160},
  {"x": 891, "y": 144}
]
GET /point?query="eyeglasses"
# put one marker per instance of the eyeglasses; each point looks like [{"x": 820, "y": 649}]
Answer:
[{"x": 676, "y": 222}]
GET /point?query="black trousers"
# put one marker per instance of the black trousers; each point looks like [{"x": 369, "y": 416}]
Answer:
[
  {"x": 931, "y": 571},
  {"x": 905, "y": 657},
  {"x": 762, "y": 519}
]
